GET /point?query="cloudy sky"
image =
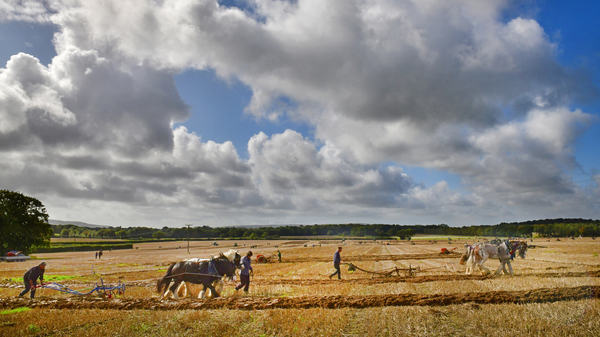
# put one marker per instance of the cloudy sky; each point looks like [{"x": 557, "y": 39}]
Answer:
[{"x": 248, "y": 112}]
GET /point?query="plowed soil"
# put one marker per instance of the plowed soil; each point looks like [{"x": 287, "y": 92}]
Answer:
[{"x": 305, "y": 302}]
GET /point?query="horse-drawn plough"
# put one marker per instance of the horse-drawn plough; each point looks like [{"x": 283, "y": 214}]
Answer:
[
  {"x": 104, "y": 290},
  {"x": 410, "y": 271}
]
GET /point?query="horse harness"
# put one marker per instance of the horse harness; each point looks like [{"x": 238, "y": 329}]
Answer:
[
  {"x": 476, "y": 249},
  {"x": 511, "y": 249},
  {"x": 212, "y": 270}
]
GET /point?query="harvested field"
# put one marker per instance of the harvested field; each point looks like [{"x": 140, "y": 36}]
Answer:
[{"x": 296, "y": 297}]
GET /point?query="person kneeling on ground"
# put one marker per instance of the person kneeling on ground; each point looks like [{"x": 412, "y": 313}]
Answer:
[
  {"x": 30, "y": 279},
  {"x": 245, "y": 273}
]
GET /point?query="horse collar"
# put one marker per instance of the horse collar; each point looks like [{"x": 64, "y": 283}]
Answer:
[
  {"x": 511, "y": 249},
  {"x": 212, "y": 270}
]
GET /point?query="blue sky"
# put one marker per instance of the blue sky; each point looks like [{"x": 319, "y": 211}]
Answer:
[
  {"x": 574, "y": 28},
  {"x": 217, "y": 108},
  {"x": 277, "y": 112}
]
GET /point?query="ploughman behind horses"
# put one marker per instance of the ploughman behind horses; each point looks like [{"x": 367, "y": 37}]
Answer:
[{"x": 204, "y": 273}]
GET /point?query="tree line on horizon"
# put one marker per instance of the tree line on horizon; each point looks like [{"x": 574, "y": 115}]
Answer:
[
  {"x": 24, "y": 226},
  {"x": 547, "y": 228}
]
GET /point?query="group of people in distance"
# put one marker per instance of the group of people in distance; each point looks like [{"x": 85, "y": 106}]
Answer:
[{"x": 33, "y": 274}]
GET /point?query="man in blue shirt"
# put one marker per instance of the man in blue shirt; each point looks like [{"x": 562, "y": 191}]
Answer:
[
  {"x": 245, "y": 273},
  {"x": 336, "y": 263},
  {"x": 30, "y": 279}
]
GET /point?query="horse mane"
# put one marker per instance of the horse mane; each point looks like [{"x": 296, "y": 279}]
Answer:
[
  {"x": 220, "y": 256},
  {"x": 230, "y": 254}
]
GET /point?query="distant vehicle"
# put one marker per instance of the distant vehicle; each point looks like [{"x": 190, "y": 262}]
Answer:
[
  {"x": 215, "y": 243},
  {"x": 15, "y": 256},
  {"x": 266, "y": 259}
]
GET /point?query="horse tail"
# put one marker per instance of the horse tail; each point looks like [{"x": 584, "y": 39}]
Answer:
[{"x": 164, "y": 281}]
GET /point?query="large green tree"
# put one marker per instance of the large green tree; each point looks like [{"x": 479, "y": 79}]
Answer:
[{"x": 23, "y": 223}]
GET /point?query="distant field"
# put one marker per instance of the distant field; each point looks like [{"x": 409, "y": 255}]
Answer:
[
  {"x": 554, "y": 292},
  {"x": 82, "y": 240},
  {"x": 442, "y": 237}
]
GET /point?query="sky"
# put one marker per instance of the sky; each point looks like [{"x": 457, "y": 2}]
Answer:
[{"x": 261, "y": 112}]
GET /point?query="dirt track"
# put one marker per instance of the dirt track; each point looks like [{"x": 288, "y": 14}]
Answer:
[{"x": 261, "y": 303}]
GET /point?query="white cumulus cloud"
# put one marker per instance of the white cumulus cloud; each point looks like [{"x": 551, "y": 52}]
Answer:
[{"x": 445, "y": 85}]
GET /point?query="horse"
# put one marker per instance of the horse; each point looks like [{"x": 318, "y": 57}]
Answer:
[
  {"x": 466, "y": 254},
  {"x": 479, "y": 253},
  {"x": 470, "y": 253},
  {"x": 184, "y": 289},
  {"x": 197, "y": 273}
]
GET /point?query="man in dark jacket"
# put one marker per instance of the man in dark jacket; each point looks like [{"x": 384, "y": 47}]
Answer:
[
  {"x": 30, "y": 279},
  {"x": 336, "y": 263}
]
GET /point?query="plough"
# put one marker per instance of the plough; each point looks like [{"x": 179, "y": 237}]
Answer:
[
  {"x": 410, "y": 271},
  {"x": 108, "y": 291}
]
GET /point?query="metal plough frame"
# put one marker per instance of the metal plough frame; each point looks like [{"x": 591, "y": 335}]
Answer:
[
  {"x": 410, "y": 271},
  {"x": 108, "y": 291}
]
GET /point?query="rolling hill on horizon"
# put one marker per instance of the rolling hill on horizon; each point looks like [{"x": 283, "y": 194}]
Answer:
[{"x": 76, "y": 223}]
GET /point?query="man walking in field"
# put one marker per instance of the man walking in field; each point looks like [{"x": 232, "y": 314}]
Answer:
[
  {"x": 245, "y": 273},
  {"x": 30, "y": 279},
  {"x": 336, "y": 263}
]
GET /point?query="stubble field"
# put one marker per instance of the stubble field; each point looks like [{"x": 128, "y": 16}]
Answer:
[{"x": 554, "y": 292}]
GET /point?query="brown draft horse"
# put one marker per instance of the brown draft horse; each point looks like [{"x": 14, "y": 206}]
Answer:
[{"x": 195, "y": 272}]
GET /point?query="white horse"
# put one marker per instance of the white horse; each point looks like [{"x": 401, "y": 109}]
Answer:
[
  {"x": 469, "y": 256},
  {"x": 184, "y": 289},
  {"x": 479, "y": 253}
]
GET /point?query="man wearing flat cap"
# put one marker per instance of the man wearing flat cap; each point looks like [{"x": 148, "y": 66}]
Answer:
[{"x": 30, "y": 279}]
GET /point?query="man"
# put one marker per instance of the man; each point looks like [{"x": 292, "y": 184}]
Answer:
[
  {"x": 336, "y": 263},
  {"x": 30, "y": 279},
  {"x": 279, "y": 255},
  {"x": 245, "y": 273}
]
